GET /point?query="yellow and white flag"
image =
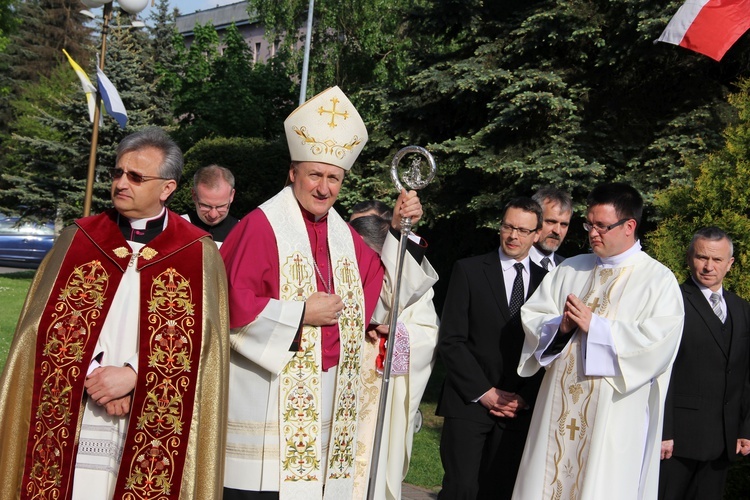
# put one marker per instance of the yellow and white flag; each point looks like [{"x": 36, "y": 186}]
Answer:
[{"x": 88, "y": 87}]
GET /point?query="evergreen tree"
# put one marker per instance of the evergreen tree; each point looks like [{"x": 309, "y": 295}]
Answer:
[
  {"x": 47, "y": 167},
  {"x": 34, "y": 48},
  {"x": 45, "y": 28},
  {"x": 517, "y": 95},
  {"x": 718, "y": 194},
  {"x": 164, "y": 56},
  {"x": 226, "y": 94}
]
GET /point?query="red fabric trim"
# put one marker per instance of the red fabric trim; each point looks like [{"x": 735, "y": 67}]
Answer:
[
  {"x": 717, "y": 27},
  {"x": 170, "y": 345},
  {"x": 67, "y": 335}
]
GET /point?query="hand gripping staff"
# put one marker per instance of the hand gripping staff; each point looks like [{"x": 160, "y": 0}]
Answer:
[{"x": 413, "y": 178}]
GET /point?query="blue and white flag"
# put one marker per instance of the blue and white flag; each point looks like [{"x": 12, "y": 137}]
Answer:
[{"x": 112, "y": 102}]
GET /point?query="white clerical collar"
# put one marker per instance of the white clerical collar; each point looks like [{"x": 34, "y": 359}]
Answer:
[
  {"x": 536, "y": 257},
  {"x": 618, "y": 259},
  {"x": 141, "y": 223},
  {"x": 707, "y": 291},
  {"x": 508, "y": 262}
]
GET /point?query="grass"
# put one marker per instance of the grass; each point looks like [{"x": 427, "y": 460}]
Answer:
[
  {"x": 13, "y": 288},
  {"x": 425, "y": 469}
]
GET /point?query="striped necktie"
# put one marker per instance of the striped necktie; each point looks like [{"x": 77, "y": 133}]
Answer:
[
  {"x": 545, "y": 263},
  {"x": 716, "y": 306}
]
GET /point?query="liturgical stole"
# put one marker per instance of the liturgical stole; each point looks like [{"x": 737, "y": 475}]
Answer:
[
  {"x": 300, "y": 398},
  {"x": 576, "y": 396},
  {"x": 169, "y": 347}
]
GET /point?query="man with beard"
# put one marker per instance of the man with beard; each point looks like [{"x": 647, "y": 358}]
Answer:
[{"x": 557, "y": 208}]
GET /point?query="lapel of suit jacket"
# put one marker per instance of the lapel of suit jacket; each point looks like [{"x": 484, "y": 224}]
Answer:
[
  {"x": 558, "y": 259},
  {"x": 494, "y": 274},
  {"x": 736, "y": 313},
  {"x": 537, "y": 274},
  {"x": 693, "y": 294}
]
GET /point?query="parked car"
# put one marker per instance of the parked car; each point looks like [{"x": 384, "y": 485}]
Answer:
[{"x": 24, "y": 243}]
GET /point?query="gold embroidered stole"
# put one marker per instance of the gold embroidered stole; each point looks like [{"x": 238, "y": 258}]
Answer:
[
  {"x": 575, "y": 397},
  {"x": 300, "y": 425},
  {"x": 170, "y": 341}
]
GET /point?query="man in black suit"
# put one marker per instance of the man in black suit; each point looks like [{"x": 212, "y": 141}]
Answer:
[
  {"x": 485, "y": 403},
  {"x": 707, "y": 411},
  {"x": 557, "y": 209}
]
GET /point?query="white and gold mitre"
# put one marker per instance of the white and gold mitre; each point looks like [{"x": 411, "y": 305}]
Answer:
[{"x": 326, "y": 129}]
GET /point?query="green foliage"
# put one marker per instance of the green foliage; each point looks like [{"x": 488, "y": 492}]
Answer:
[
  {"x": 717, "y": 193},
  {"x": 46, "y": 162},
  {"x": 13, "y": 288},
  {"x": 163, "y": 54},
  {"x": 226, "y": 94},
  {"x": 260, "y": 168},
  {"x": 32, "y": 36},
  {"x": 358, "y": 43}
]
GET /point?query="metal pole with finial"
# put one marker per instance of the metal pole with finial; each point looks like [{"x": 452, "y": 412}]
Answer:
[{"x": 413, "y": 178}]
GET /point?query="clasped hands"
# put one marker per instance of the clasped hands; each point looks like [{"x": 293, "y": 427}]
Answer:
[
  {"x": 502, "y": 403},
  {"x": 111, "y": 387},
  {"x": 576, "y": 314}
]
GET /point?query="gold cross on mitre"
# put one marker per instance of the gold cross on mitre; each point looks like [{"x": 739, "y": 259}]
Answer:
[{"x": 333, "y": 112}]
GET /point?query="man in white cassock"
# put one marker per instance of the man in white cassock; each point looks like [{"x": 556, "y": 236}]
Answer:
[
  {"x": 303, "y": 289},
  {"x": 606, "y": 328}
]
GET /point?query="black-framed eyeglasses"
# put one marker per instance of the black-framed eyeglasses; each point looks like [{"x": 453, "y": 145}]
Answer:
[
  {"x": 134, "y": 177},
  {"x": 604, "y": 229},
  {"x": 522, "y": 231},
  {"x": 207, "y": 208}
]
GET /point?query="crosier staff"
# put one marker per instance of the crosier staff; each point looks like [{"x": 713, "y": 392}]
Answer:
[{"x": 412, "y": 178}]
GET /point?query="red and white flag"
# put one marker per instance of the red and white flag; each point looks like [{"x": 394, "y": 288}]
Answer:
[{"x": 709, "y": 27}]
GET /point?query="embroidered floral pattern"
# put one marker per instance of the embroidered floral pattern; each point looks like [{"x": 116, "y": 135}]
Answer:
[
  {"x": 300, "y": 383},
  {"x": 170, "y": 359},
  {"x": 327, "y": 147},
  {"x": 75, "y": 314},
  {"x": 344, "y": 431}
]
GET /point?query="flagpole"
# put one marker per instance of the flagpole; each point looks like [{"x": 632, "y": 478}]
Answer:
[
  {"x": 306, "y": 60},
  {"x": 97, "y": 113}
]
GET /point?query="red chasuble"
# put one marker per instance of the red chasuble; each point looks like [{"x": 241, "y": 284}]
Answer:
[{"x": 169, "y": 346}]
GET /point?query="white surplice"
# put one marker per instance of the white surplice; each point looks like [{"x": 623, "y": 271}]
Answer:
[
  {"x": 596, "y": 429},
  {"x": 404, "y": 395}
]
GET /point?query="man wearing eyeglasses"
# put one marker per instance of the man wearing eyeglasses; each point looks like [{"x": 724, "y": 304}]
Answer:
[
  {"x": 605, "y": 327},
  {"x": 116, "y": 381},
  {"x": 485, "y": 403},
  {"x": 213, "y": 193}
]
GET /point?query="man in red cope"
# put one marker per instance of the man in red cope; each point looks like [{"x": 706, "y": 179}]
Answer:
[
  {"x": 303, "y": 289},
  {"x": 115, "y": 386}
]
